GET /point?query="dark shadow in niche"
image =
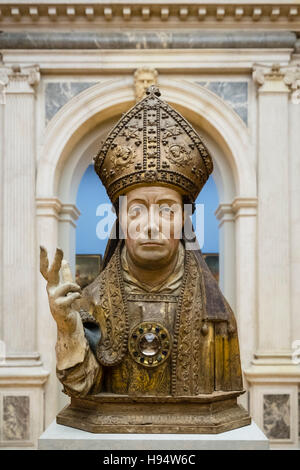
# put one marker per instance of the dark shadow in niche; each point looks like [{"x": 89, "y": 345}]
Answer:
[{"x": 16, "y": 418}]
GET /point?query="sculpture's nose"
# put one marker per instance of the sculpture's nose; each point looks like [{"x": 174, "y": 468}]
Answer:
[{"x": 152, "y": 227}]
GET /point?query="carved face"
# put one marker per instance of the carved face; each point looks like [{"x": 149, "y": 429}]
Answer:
[
  {"x": 142, "y": 82},
  {"x": 151, "y": 218}
]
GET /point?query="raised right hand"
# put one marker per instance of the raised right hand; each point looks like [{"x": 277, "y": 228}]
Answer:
[{"x": 61, "y": 294}]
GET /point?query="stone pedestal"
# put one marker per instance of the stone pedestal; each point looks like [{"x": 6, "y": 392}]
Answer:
[
  {"x": 58, "y": 437},
  {"x": 110, "y": 413}
]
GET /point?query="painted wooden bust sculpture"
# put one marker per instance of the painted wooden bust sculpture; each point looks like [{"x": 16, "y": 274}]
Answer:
[{"x": 151, "y": 345}]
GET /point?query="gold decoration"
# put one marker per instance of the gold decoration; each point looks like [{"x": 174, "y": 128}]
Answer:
[
  {"x": 178, "y": 154},
  {"x": 194, "y": 390},
  {"x": 153, "y": 143},
  {"x": 122, "y": 156},
  {"x": 149, "y": 343},
  {"x": 171, "y": 131},
  {"x": 197, "y": 337}
]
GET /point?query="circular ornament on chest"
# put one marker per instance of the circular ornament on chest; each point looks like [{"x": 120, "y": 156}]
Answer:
[{"x": 149, "y": 343}]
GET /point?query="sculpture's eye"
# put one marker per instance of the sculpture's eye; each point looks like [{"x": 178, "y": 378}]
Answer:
[
  {"x": 166, "y": 211},
  {"x": 135, "y": 211}
]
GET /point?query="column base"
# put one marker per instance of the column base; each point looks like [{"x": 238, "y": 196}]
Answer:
[
  {"x": 273, "y": 389},
  {"x": 21, "y": 401}
]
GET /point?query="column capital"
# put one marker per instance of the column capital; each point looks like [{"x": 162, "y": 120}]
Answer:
[
  {"x": 270, "y": 78},
  {"x": 224, "y": 213},
  {"x": 278, "y": 79},
  {"x": 292, "y": 79},
  {"x": 3, "y": 83},
  {"x": 69, "y": 213},
  {"x": 240, "y": 207},
  {"x": 17, "y": 79}
]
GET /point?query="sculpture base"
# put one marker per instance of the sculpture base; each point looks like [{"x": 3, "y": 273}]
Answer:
[
  {"x": 57, "y": 437},
  {"x": 111, "y": 413}
]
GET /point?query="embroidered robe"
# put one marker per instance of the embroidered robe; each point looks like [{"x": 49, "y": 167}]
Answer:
[{"x": 205, "y": 350}]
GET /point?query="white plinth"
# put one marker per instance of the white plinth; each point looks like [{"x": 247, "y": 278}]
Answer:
[{"x": 58, "y": 437}]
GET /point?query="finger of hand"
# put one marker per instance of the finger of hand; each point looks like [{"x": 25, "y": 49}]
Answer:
[
  {"x": 66, "y": 273},
  {"x": 67, "y": 301},
  {"x": 44, "y": 263},
  {"x": 64, "y": 289},
  {"x": 53, "y": 273}
]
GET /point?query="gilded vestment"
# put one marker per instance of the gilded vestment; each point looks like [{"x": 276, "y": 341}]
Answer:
[{"x": 205, "y": 353}]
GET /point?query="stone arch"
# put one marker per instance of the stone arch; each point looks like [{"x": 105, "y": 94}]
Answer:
[{"x": 103, "y": 101}]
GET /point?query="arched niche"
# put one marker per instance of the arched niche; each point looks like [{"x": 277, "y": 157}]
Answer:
[{"x": 73, "y": 137}]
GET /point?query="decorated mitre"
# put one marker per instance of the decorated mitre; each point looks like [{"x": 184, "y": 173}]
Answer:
[{"x": 153, "y": 144}]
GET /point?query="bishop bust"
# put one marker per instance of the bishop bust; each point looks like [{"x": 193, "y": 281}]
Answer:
[{"x": 151, "y": 345}]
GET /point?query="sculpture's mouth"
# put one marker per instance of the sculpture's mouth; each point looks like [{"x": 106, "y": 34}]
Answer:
[{"x": 152, "y": 244}]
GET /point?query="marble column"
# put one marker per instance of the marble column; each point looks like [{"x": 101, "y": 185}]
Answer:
[
  {"x": 237, "y": 270},
  {"x": 273, "y": 213},
  {"x": 225, "y": 215},
  {"x": 48, "y": 210},
  {"x": 3, "y": 83},
  {"x": 21, "y": 373},
  {"x": 273, "y": 376},
  {"x": 19, "y": 244},
  {"x": 292, "y": 78},
  {"x": 67, "y": 241},
  {"x": 245, "y": 216},
  {"x": 67, "y": 233}
]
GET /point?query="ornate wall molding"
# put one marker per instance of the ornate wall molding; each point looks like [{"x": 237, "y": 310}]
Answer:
[
  {"x": 115, "y": 61},
  {"x": 165, "y": 13}
]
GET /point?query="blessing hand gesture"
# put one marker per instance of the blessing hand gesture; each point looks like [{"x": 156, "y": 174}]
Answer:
[{"x": 61, "y": 294}]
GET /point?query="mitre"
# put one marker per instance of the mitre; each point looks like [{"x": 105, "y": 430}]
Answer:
[{"x": 153, "y": 144}]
